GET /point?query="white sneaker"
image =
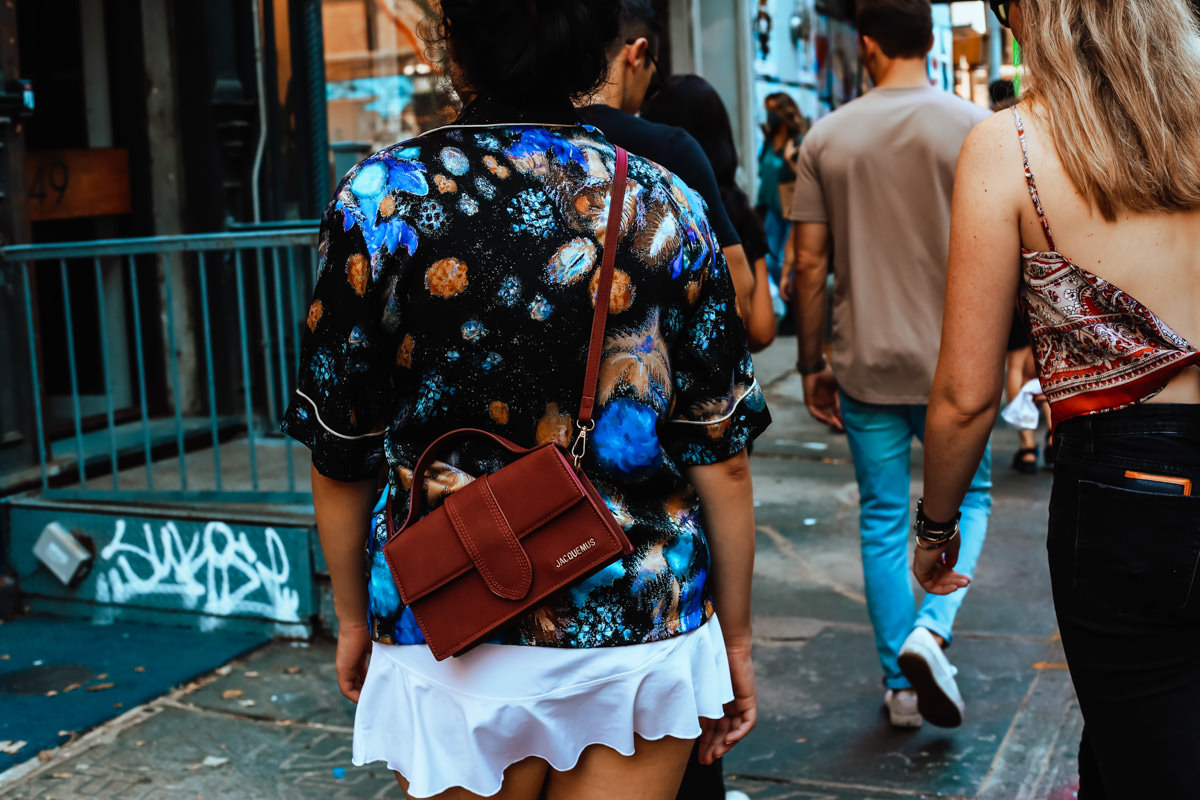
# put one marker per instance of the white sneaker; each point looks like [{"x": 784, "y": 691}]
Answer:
[
  {"x": 902, "y": 708},
  {"x": 932, "y": 675}
]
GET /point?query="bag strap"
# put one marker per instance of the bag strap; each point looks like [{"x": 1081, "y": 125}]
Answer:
[
  {"x": 583, "y": 421},
  {"x": 416, "y": 497},
  {"x": 612, "y": 235}
]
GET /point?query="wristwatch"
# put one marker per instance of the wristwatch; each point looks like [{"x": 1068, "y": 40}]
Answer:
[
  {"x": 932, "y": 535},
  {"x": 814, "y": 368}
]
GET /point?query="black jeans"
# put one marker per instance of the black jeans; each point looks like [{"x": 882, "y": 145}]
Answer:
[{"x": 1124, "y": 553}]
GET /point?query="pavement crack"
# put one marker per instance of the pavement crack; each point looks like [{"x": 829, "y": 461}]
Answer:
[
  {"x": 845, "y": 787},
  {"x": 816, "y": 458},
  {"x": 261, "y": 718},
  {"x": 807, "y": 571},
  {"x": 778, "y": 379}
]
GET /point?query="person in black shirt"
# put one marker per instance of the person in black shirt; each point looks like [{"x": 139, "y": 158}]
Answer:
[
  {"x": 692, "y": 103},
  {"x": 631, "y": 71}
]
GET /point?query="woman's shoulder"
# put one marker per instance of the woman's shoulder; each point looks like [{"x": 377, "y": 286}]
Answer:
[{"x": 993, "y": 146}]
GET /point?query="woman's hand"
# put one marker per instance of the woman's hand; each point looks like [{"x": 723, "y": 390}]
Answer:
[
  {"x": 935, "y": 569},
  {"x": 718, "y": 736},
  {"x": 353, "y": 647}
]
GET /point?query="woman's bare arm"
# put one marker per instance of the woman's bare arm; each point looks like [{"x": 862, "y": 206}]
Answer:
[
  {"x": 761, "y": 327},
  {"x": 343, "y": 512},
  {"x": 742, "y": 274},
  {"x": 727, "y": 499},
  {"x": 981, "y": 289}
]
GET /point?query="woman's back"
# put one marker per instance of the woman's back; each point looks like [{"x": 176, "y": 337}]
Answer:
[
  {"x": 1153, "y": 257},
  {"x": 456, "y": 288}
]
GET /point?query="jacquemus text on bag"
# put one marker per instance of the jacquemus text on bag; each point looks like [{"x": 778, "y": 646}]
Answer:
[{"x": 508, "y": 539}]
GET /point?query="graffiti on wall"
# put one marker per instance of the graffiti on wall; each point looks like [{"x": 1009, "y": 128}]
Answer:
[{"x": 215, "y": 571}]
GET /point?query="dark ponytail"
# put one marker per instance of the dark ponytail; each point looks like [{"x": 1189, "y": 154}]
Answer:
[{"x": 530, "y": 53}]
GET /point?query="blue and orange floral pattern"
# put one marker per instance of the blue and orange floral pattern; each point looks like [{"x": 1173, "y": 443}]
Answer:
[{"x": 457, "y": 280}]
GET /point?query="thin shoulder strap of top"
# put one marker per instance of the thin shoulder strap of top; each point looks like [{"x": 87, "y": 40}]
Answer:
[{"x": 1029, "y": 181}]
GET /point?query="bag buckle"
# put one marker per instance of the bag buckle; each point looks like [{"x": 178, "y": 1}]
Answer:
[{"x": 579, "y": 446}]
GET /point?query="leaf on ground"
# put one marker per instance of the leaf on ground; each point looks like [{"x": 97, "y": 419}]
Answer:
[
  {"x": 118, "y": 705},
  {"x": 292, "y": 670},
  {"x": 45, "y": 755},
  {"x": 230, "y": 694},
  {"x": 139, "y": 743},
  {"x": 251, "y": 673},
  {"x": 51, "y": 693},
  {"x": 139, "y": 669},
  {"x": 4, "y": 656},
  {"x": 225, "y": 670},
  {"x": 72, "y": 687},
  {"x": 214, "y": 761},
  {"x": 102, "y": 676},
  {"x": 63, "y": 775},
  {"x": 100, "y": 687},
  {"x": 11, "y": 747},
  {"x": 247, "y": 703}
]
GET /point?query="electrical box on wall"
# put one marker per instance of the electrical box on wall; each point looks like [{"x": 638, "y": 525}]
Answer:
[{"x": 62, "y": 553}]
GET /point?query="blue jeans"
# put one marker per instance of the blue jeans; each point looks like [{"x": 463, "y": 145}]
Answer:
[{"x": 881, "y": 445}]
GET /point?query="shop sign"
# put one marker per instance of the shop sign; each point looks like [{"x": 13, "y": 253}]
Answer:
[{"x": 61, "y": 184}]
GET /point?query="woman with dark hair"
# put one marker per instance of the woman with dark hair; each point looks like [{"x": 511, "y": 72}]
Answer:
[
  {"x": 458, "y": 276},
  {"x": 784, "y": 130},
  {"x": 692, "y": 103},
  {"x": 1081, "y": 198}
]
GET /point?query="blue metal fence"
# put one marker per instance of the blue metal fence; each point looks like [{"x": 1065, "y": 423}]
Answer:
[{"x": 165, "y": 442}]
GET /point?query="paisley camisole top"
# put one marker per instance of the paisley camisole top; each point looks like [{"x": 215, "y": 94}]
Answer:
[{"x": 1097, "y": 348}]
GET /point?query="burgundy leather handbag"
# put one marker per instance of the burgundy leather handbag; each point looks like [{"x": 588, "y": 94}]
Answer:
[{"x": 504, "y": 542}]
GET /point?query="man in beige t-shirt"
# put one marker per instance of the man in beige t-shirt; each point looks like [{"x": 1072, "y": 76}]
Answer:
[{"x": 874, "y": 184}]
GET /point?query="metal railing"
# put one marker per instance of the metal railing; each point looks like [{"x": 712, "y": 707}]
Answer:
[{"x": 211, "y": 324}]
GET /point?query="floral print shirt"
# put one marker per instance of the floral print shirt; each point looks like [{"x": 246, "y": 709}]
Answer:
[{"x": 457, "y": 276}]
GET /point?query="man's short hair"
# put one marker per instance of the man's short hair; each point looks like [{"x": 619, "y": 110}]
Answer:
[
  {"x": 902, "y": 28},
  {"x": 638, "y": 20}
]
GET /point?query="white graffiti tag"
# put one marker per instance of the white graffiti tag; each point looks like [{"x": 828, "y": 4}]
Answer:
[{"x": 216, "y": 566}]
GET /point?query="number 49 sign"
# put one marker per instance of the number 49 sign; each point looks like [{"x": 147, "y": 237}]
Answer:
[{"x": 61, "y": 184}]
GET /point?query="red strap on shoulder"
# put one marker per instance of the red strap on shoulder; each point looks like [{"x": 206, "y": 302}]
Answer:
[{"x": 612, "y": 234}]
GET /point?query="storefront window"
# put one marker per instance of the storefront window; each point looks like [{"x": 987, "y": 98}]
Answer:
[{"x": 380, "y": 84}]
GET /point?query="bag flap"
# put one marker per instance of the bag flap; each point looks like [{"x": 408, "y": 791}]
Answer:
[{"x": 480, "y": 526}]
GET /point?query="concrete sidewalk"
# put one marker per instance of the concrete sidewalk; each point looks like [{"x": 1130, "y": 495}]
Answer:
[{"x": 272, "y": 725}]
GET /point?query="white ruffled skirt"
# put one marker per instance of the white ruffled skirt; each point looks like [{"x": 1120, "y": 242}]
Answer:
[{"x": 462, "y": 721}]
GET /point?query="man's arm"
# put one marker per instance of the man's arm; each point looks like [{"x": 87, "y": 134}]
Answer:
[
  {"x": 809, "y": 277},
  {"x": 810, "y": 241}
]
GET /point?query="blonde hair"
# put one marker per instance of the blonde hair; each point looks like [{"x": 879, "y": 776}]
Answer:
[{"x": 1118, "y": 82}]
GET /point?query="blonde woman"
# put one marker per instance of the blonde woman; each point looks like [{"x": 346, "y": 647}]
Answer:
[{"x": 1082, "y": 199}]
